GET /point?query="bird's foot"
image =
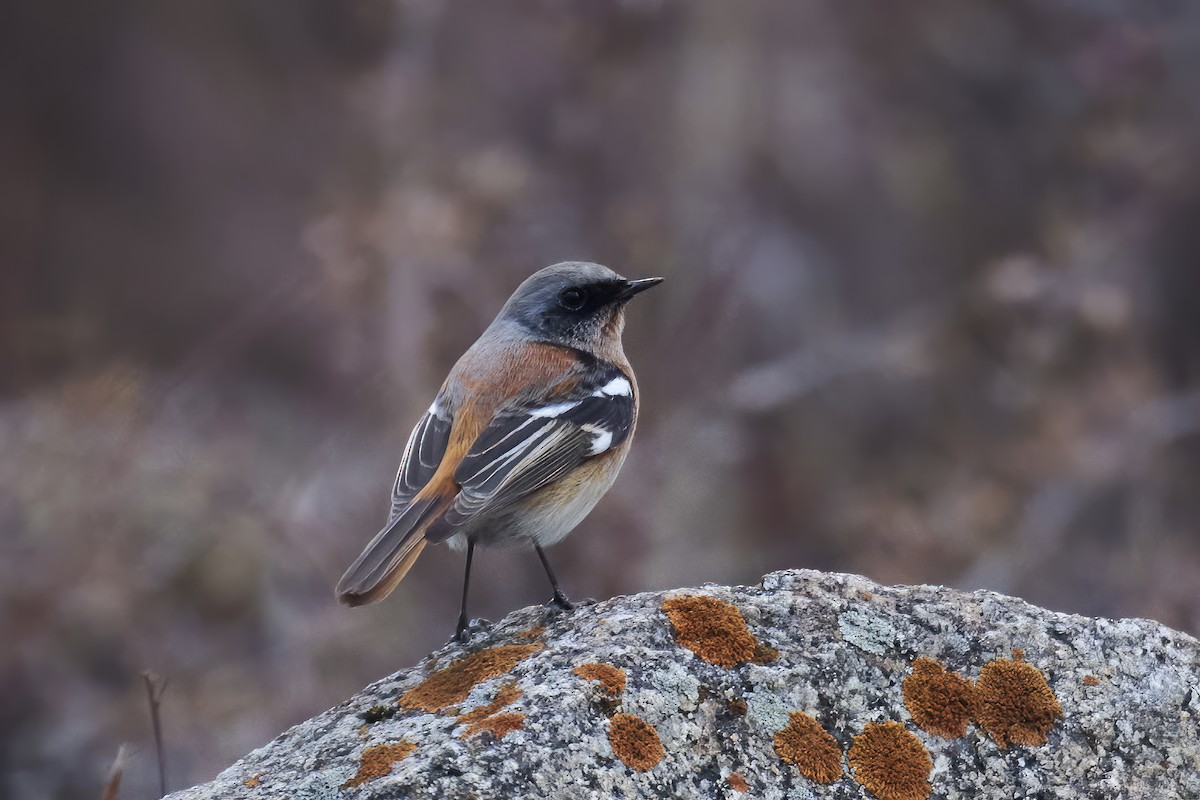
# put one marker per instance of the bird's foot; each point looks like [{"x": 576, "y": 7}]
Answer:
[
  {"x": 462, "y": 632},
  {"x": 561, "y": 601}
]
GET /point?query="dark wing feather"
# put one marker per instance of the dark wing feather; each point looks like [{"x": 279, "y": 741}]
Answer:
[
  {"x": 527, "y": 448},
  {"x": 422, "y": 455}
]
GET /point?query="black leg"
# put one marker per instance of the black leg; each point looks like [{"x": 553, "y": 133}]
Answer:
[
  {"x": 559, "y": 598},
  {"x": 462, "y": 614}
]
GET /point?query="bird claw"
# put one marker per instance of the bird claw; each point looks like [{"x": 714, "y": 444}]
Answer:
[
  {"x": 462, "y": 632},
  {"x": 560, "y": 600}
]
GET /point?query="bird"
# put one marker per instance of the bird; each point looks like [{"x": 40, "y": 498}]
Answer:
[{"x": 526, "y": 434}]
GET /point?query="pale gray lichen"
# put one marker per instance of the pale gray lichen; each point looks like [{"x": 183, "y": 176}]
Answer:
[
  {"x": 867, "y": 630},
  {"x": 767, "y": 709},
  {"x": 323, "y": 785},
  {"x": 772, "y": 581},
  {"x": 678, "y": 687}
]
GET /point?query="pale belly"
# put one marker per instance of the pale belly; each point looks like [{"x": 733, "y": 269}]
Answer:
[{"x": 542, "y": 519}]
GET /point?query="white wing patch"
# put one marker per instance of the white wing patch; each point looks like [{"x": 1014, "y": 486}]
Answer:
[
  {"x": 617, "y": 387},
  {"x": 553, "y": 411},
  {"x": 601, "y": 439}
]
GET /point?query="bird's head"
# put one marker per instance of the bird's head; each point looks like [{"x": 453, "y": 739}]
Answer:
[{"x": 575, "y": 303}]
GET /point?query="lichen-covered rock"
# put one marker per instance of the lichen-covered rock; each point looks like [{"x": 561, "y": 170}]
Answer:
[{"x": 646, "y": 696}]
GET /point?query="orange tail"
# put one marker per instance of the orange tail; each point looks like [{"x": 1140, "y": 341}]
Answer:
[{"x": 390, "y": 555}]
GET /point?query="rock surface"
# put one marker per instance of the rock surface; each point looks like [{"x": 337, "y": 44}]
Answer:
[{"x": 801, "y": 687}]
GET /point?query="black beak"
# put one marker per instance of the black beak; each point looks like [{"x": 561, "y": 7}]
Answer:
[{"x": 637, "y": 287}]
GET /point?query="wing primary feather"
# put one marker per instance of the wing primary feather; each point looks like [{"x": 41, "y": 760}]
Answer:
[
  {"x": 484, "y": 445},
  {"x": 417, "y": 434},
  {"x": 432, "y": 442},
  {"x": 478, "y": 472},
  {"x": 422, "y": 454}
]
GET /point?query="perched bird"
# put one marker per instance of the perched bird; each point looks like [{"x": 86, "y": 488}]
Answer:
[{"x": 526, "y": 434}]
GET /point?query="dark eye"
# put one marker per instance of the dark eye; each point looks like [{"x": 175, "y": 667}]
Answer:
[{"x": 572, "y": 299}]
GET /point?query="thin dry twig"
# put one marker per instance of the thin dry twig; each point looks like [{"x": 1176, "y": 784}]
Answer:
[{"x": 154, "y": 693}]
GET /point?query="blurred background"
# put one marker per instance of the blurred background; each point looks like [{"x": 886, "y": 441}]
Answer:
[{"x": 932, "y": 315}]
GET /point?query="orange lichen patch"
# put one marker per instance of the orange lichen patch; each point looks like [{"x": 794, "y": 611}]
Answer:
[
  {"x": 940, "y": 702},
  {"x": 1018, "y": 654},
  {"x": 532, "y": 633},
  {"x": 451, "y": 685},
  {"x": 635, "y": 742},
  {"x": 1091, "y": 680},
  {"x": 485, "y": 718},
  {"x": 1016, "y": 705},
  {"x": 377, "y": 761},
  {"x": 891, "y": 762},
  {"x": 807, "y": 745},
  {"x": 738, "y": 783},
  {"x": 508, "y": 694},
  {"x": 715, "y": 631},
  {"x": 611, "y": 678},
  {"x": 498, "y": 725},
  {"x": 253, "y": 781},
  {"x": 866, "y": 596}
]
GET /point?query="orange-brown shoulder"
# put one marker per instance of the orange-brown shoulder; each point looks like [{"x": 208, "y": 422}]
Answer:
[
  {"x": 491, "y": 376},
  {"x": 488, "y": 377}
]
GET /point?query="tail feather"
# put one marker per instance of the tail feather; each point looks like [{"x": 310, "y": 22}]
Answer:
[{"x": 390, "y": 555}]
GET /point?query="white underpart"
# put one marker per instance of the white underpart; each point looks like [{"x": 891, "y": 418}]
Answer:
[
  {"x": 601, "y": 439},
  {"x": 554, "y": 410},
  {"x": 617, "y": 387},
  {"x": 436, "y": 410}
]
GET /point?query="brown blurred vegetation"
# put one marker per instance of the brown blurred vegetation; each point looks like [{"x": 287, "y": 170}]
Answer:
[{"x": 932, "y": 315}]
